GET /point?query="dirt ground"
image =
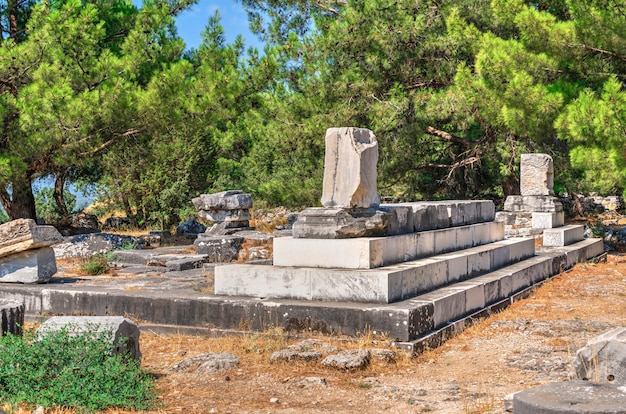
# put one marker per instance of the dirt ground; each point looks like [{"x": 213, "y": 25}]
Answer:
[{"x": 530, "y": 343}]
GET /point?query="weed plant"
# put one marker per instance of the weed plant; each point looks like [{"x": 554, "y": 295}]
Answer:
[
  {"x": 95, "y": 265},
  {"x": 70, "y": 369}
]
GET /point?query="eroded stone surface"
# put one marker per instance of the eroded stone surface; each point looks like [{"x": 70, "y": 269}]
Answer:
[
  {"x": 536, "y": 175},
  {"x": 25, "y": 234},
  {"x": 603, "y": 359},
  {"x": 348, "y": 360},
  {"x": 206, "y": 363},
  {"x": 336, "y": 223},
  {"x": 350, "y": 169},
  {"x": 572, "y": 397},
  {"x": 226, "y": 200},
  {"x": 31, "y": 266}
]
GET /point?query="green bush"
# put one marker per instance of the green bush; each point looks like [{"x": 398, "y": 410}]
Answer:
[
  {"x": 96, "y": 265},
  {"x": 71, "y": 369}
]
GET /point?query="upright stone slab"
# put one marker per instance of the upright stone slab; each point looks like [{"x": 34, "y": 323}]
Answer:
[
  {"x": 12, "y": 316},
  {"x": 31, "y": 266},
  {"x": 120, "y": 331},
  {"x": 536, "y": 175},
  {"x": 24, "y": 234},
  {"x": 350, "y": 169}
]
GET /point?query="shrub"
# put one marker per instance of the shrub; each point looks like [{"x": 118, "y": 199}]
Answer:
[
  {"x": 95, "y": 265},
  {"x": 71, "y": 369}
]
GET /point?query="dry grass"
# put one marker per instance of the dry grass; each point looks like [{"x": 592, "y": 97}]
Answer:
[{"x": 468, "y": 374}]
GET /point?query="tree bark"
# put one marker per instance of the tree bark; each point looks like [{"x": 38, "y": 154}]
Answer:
[
  {"x": 22, "y": 203},
  {"x": 59, "y": 198},
  {"x": 510, "y": 186},
  {"x": 12, "y": 15}
]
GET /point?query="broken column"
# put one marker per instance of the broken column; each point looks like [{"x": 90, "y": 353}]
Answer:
[
  {"x": 350, "y": 198},
  {"x": 230, "y": 213},
  {"x": 25, "y": 252},
  {"x": 536, "y": 208},
  {"x": 227, "y": 210}
]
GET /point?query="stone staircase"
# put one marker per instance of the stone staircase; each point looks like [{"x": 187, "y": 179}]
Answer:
[{"x": 419, "y": 287}]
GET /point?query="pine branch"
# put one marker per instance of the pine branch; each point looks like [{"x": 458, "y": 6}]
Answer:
[{"x": 447, "y": 136}]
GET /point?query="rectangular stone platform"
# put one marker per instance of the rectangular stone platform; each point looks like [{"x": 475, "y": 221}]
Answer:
[
  {"x": 411, "y": 322},
  {"x": 373, "y": 252},
  {"x": 381, "y": 285},
  {"x": 563, "y": 236}
]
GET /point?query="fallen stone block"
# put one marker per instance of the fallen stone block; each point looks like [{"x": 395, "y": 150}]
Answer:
[
  {"x": 190, "y": 227},
  {"x": 31, "y": 266},
  {"x": 337, "y": 223},
  {"x": 571, "y": 397},
  {"x": 186, "y": 263},
  {"x": 87, "y": 245},
  {"x": 121, "y": 332},
  {"x": 218, "y": 249},
  {"x": 24, "y": 234},
  {"x": 226, "y": 200},
  {"x": 350, "y": 169},
  {"x": 12, "y": 317},
  {"x": 603, "y": 359}
]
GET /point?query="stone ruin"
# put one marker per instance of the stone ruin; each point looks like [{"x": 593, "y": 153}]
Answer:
[
  {"x": 536, "y": 211},
  {"x": 26, "y": 255},
  {"x": 425, "y": 265},
  {"x": 229, "y": 211},
  {"x": 536, "y": 208}
]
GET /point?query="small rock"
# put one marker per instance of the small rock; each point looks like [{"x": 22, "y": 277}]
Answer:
[
  {"x": 315, "y": 344},
  {"x": 348, "y": 360},
  {"x": 386, "y": 355},
  {"x": 274, "y": 400},
  {"x": 291, "y": 355},
  {"x": 206, "y": 363},
  {"x": 311, "y": 381}
]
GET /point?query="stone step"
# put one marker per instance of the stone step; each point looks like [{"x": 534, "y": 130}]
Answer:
[
  {"x": 373, "y": 252},
  {"x": 144, "y": 256},
  {"x": 409, "y": 322},
  {"x": 450, "y": 309},
  {"x": 563, "y": 236},
  {"x": 381, "y": 285}
]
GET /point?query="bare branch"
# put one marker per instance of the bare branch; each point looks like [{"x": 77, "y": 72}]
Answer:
[
  {"x": 108, "y": 143},
  {"x": 447, "y": 136}
]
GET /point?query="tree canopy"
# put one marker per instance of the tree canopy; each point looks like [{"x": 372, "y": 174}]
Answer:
[{"x": 104, "y": 92}]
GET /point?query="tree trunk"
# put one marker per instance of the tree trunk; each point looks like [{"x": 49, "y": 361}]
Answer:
[
  {"x": 510, "y": 186},
  {"x": 59, "y": 198},
  {"x": 12, "y": 15},
  {"x": 22, "y": 204}
]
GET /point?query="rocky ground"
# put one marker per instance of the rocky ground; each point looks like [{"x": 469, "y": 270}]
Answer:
[{"x": 530, "y": 343}]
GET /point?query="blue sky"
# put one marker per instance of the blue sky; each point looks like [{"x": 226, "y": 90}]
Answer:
[{"x": 192, "y": 22}]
